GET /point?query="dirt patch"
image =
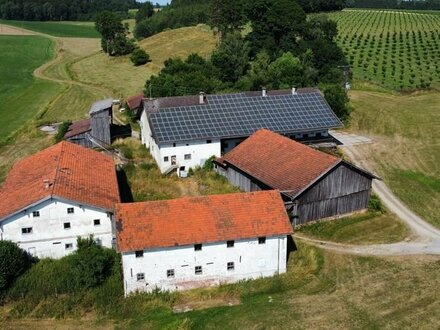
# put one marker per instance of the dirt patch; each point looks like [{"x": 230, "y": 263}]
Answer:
[
  {"x": 12, "y": 31},
  {"x": 203, "y": 304}
]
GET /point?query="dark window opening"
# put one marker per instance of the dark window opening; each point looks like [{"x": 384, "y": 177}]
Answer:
[
  {"x": 262, "y": 240},
  {"x": 36, "y": 214},
  {"x": 230, "y": 265},
  {"x": 67, "y": 225},
  {"x": 139, "y": 254},
  {"x": 27, "y": 230},
  {"x": 70, "y": 210},
  {"x": 198, "y": 247},
  {"x": 170, "y": 273},
  {"x": 230, "y": 244},
  {"x": 198, "y": 270},
  {"x": 96, "y": 222}
]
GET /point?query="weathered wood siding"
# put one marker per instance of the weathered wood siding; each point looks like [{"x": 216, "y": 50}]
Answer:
[
  {"x": 343, "y": 190},
  {"x": 82, "y": 140},
  {"x": 100, "y": 124}
]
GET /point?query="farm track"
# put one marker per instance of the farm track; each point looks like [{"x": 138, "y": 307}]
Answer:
[{"x": 424, "y": 239}]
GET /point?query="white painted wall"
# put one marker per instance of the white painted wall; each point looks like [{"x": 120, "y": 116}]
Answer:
[
  {"x": 251, "y": 260},
  {"x": 48, "y": 237}
]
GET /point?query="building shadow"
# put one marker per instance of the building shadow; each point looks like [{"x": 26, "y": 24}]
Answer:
[
  {"x": 125, "y": 192},
  {"x": 291, "y": 247}
]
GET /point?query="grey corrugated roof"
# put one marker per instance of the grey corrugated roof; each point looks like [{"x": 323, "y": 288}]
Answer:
[
  {"x": 101, "y": 105},
  {"x": 239, "y": 115}
]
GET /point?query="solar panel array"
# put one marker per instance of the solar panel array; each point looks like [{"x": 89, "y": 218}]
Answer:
[{"x": 238, "y": 115}]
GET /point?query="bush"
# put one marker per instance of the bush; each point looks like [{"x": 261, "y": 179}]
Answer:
[
  {"x": 13, "y": 262},
  {"x": 139, "y": 57},
  {"x": 375, "y": 204},
  {"x": 62, "y": 130}
]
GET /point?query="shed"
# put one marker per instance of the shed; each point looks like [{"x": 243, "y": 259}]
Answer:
[{"x": 314, "y": 185}]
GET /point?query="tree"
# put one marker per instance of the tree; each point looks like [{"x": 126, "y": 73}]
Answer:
[
  {"x": 146, "y": 10},
  {"x": 114, "y": 39},
  {"x": 139, "y": 57},
  {"x": 286, "y": 72},
  {"x": 13, "y": 262},
  {"x": 337, "y": 98},
  {"x": 226, "y": 15},
  {"x": 231, "y": 58}
]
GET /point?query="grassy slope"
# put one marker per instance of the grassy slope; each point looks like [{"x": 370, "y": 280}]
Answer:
[
  {"x": 370, "y": 228},
  {"x": 57, "y": 29},
  {"x": 397, "y": 50},
  {"x": 124, "y": 79},
  {"x": 321, "y": 290},
  {"x": 407, "y": 154},
  {"x": 21, "y": 95}
]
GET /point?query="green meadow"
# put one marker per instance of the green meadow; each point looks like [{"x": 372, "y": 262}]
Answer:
[
  {"x": 21, "y": 94},
  {"x": 57, "y": 29}
]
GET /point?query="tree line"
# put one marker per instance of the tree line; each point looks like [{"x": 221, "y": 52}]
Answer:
[
  {"x": 284, "y": 49},
  {"x": 61, "y": 10},
  {"x": 192, "y": 12},
  {"x": 396, "y": 4}
]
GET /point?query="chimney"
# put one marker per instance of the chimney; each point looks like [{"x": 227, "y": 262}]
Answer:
[
  {"x": 294, "y": 91},
  {"x": 201, "y": 98},
  {"x": 263, "y": 92}
]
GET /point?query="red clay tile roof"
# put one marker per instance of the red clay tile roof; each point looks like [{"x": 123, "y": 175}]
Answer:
[
  {"x": 193, "y": 220},
  {"x": 78, "y": 127},
  {"x": 65, "y": 170},
  {"x": 134, "y": 101},
  {"x": 279, "y": 162}
]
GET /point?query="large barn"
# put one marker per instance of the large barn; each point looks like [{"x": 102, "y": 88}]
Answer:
[
  {"x": 313, "y": 184},
  {"x": 183, "y": 132}
]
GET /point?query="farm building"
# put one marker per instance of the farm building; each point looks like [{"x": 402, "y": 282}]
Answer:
[
  {"x": 56, "y": 195},
  {"x": 96, "y": 130},
  {"x": 313, "y": 184},
  {"x": 183, "y": 132},
  {"x": 200, "y": 241},
  {"x": 135, "y": 103}
]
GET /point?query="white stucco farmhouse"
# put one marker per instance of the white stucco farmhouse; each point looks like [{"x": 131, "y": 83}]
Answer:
[
  {"x": 183, "y": 132},
  {"x": 200, "y": 241},
  {"x": 61, "y": 193}
]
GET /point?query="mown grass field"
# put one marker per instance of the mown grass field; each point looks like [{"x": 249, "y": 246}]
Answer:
[
  {"x": 22, "y": 95},
  {"x": 321, "y": 290},
  {"x": 123, "y": 79},
  {"x": 406, "y": 152},
  {"x": 57, "y": 29},
  {"x": 395, "y": 49}
]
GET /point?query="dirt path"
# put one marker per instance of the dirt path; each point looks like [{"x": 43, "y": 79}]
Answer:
[
  {"x": 425, "y": 238},
  {"x": 9, "y": 30}
]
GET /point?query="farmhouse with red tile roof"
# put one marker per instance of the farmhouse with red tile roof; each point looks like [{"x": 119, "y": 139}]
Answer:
[
  {"x": 196, "y": 241},
  {"x": 50, "y": 198},
  {"x": 314, "y": 184}
]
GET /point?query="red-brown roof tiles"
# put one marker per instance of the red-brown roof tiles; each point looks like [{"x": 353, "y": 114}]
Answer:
[
  {"x": 279, "y": 162},
  {"x": 65, "y": 170},
  {"x": 78, "y": 127},
  {"x": 134, "y": 101},
  {"x": 192, "y": 220}
]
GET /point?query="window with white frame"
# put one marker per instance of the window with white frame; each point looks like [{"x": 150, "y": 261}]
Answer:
[
  {"x": 230, "y": 265},
  {"x": 170, "y": 273},
  {"x": 96, "y": 222},
  {"x": 70, "y": 210},
  {"x": 26, "y": 230},
  {"x": 36, "y": 214},
  {"x": 198, "y": 270},
  {"x": 69, "y": 246},
  {"x": 187, "y": 156},
  {"x": 166, "y": 159},
  {"x": 140, "y": 276}
]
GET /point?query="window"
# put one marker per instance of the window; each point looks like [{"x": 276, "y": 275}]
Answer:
[
  {"x": 230, "y": 244},
  {"x": 26, "y": 230},
  {"x": 36, "y": 214},
  {"x": 96, "y": 222},
  {"x": 262, "y": 240},
  {"x": 139, "y": 254},
  {"x": 70, "y": 210},
  {"x": 170, "y": 273},
  {"x": 198, "y": 270},
  {"x": 208, "y": 141},
  {"x": 166, "y": 159},
  {"x": 69, "y": 246},
  {"x": 67, "y": 225},
  {"x": 198, "y": 247},
  {"x": 230, "y": 265},
  {"x": 174, "y": 144},
  {"x": 140, "y": 276},
  {"x": 187, "y": 156}
]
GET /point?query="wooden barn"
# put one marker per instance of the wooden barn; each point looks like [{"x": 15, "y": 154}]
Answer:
[
  {"x": 96, "y": 130},
  {"x": 314, "y": 185}
]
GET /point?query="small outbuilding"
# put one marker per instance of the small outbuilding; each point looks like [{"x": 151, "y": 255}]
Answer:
[
  {"x": 314, "y": 185},
  {"x": 200, "y": 241}
]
